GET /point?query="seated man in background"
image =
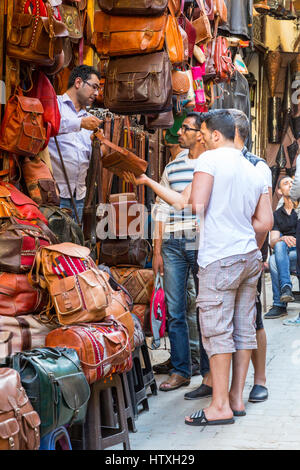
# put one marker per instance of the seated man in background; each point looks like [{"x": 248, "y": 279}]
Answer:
[{"x": 284, "y": 258}]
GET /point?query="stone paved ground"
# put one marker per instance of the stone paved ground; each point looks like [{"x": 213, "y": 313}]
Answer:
[{"x": 274, "y": 424}]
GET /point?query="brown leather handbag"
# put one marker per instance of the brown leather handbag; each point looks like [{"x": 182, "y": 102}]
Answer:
[
  {"x": 159, "y": 121},
  {"x": 128, "y": 35},
  {"x": 19, "y": 423},
  {"x": 22, "y": 129},
  {"x": 174, "y": 39},
  {"x": 223, "y": 61},
  {"x": 139, "y": 84},
  {"x": 72, "y": 18},
  {"x": 124, "y": 211},
  {"x": 102, "y": 348},
  {"x": 40, "y": 183},
  {"x": 126, "y": 252},
  {"x": 137, "y": 8},
  {"x": 220, "y": 11},
  {"x": 36, "y": 39},
  {"x": 138, "y": 282},
  {"x": 18, "y": 296},
  {"x": 202, "y": 25}
]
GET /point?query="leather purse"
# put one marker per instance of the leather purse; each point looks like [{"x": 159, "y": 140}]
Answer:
[
  {"x": 223, "y": 60},
  {"x": 18, "y": 297},
  {"x": 128, "y": 35},
  {"x": 39, "y": 181},
  {"x": 126, "y": 252},
  {"x": 190, "y": 30},
  {"x": 138, "y": 282},
  {"x": 72, "y": 18},
  {"x": 220, "y": 11},
  {"x": 202, "y": 25},
  {"x": 103, "y": 348},
  {"x": 22, "y": 129},
  {"x": 22, "y": 333},
  {"x": 35, "y": 38},
  {"x": 55, "y": 385},
  {"x": 138, "y": 8},
  {"x": 19, "y": 423},
  {"x": 174, "y": 40}
]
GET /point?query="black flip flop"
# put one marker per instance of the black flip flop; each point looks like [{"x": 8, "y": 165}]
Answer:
[
  {"x": 239, "y": 413},
  {"x": 199, "y": 419}
]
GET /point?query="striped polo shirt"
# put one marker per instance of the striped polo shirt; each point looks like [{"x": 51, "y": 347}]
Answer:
[{"x": 177, "y": 175}]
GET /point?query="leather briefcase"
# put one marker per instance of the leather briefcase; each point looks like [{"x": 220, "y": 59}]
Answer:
[
  {"x": 103, "y": 348},
  {"x": 139, "y": 84},
  {"x": 55, "y": 385},
  {"x": 137, "y": 8},
  {"x": 128, "y": 35},
  {"x": 19, "y": 423},
  {"x": 126, "y": 252},
  {"x": 138, "y": 282}
]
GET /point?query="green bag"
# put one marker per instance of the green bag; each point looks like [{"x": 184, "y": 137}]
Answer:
[{"x": 55, "y": 384}]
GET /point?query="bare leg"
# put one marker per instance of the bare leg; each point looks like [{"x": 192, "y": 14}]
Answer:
[
  {"x": 240, "y": 365},
  {"x": 258, "y": 358},
  {"x": 207, "y": 380}
]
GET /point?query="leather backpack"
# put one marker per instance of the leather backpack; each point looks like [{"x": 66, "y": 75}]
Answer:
[
  {"x": 138, "y": 8},
  {"x": 19, "y": 423}
]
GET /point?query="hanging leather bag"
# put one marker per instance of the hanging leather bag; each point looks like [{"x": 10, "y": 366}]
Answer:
[
  {"x": 35, "y": 38},
  {"x": 19, "y": 423},
  {"x": 40, "y": 183},
  {"x": 174, "y": 40},
  {"x": 138, "y": 8},
  {"x": 202, "y": 25},
  {"x": 55, "y": 384},
  {"x": 139, "y": 84},
  {"x": 220, "y": 11},
  {"x": 22, "y": 129},
  {"x": 159, "y": 121},
  {"x": 103, "y": 348},
  {"x": 128, "y": 35},
  {"x": 222, "y": 59},
  {"x": 72, "y": 18},
  {"x": 124, "y": 211}
]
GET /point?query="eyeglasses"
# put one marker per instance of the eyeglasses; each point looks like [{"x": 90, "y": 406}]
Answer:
[
  {"x": 186, "y": 128},
  {"x": 92, "y": 85}
]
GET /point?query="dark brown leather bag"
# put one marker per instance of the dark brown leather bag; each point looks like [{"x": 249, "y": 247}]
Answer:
[
  {"x": 126, "y": 252},
  {"x": 139, "y": 84},
  {"x": 128, "y": 35},
  {"x": 137, "y": 8},
  {"x": 36, "y": 39},
  {"x": 159, "y": 121},
  {"x": 19, "y": 423},
  {"x": 22, "y": 128}
]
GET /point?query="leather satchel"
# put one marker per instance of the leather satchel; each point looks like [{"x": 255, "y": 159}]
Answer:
[
  {"x": 139, "y": 84},
  {"x": 55, "y": 385},
  {"x": 72, "y": 18},
  {"x": 40, "y": 183},
  {"x": 138, "y": 282},
  {"x": 22, "y": 129},
  {"x": 138, "y": 8},
  {"x": 35, "y": 38},
  {"x": 126, "y": 252},
  {"x": 128, "y": 35},
  {"x": 19, "y": 423},
  {"x": 22, "y": 333},
  {"x": 202, "y": 25},
  {"x": 103, "y": 348}
]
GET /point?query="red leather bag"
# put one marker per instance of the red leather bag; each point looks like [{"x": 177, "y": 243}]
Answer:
[
  {"x": 18, "y": 297},
  {"x": 223, "y": 62}
]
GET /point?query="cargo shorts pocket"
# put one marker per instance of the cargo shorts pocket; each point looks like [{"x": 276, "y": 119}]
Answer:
[
  {"x": 210, "y": 317},
  {"x": 230, "y": 274}
]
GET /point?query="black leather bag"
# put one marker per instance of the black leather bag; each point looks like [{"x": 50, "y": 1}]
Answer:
[
  {"x": 125, "y": 252},
  {"x": 62, "y": 224},
  {"x": 55, "y": 384}
]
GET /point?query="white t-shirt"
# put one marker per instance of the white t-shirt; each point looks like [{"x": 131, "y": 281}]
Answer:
[
  {"x": 237, "y": 187},
  {"x": 265, "y": 172}
]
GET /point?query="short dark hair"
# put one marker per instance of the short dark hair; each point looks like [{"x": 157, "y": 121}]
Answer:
[
  {"x": 220, "y": 120},
  {"x": 197, "y": 116},
  {"x": 280, "y": 179},
  {"x": 241, "y": 122},
  {"x": 84, "y": 72}
]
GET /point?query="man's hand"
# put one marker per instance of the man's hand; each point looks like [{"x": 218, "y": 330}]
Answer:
[
  {"x": 289, "y": 240},
  {"x": 158, "y": 264},
  {"x": 135, "y": 180},
  {"x": 90, "y": 123}
]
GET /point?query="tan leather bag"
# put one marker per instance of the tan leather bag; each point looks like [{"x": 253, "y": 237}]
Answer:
[
  {"x": 202, "y": 25},
  {"x": 174, "y": 39},
  {"x": 128, "y": 35},
  {"x": 138, "y": 282},
  {"x": 19, "y": 423}
]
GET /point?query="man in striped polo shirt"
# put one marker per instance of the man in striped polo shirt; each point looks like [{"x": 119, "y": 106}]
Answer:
[{"x": 175, "y": 253}]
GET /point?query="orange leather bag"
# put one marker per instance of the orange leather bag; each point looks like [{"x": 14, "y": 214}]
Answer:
[
  {"x": 174, "y": 39},
  {"x": 40, "y": 183},
  {"x": 128, "y": 35},
  {"x": 220, "y": 11},
  {"x": 202, "y": 25}
]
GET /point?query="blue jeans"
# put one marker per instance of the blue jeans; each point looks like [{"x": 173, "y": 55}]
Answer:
[
  {"x": 179, "y": 257},
  {"x": 66, "y": 203},
  {"x": 282, "y": 262}
]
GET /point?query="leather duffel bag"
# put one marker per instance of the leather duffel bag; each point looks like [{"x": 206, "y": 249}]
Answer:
[
  {"x": 55, "y": 384},
  {"x": 139, "y": 84},
  {"x": 22, "y": 333},
  {"x": 103, "y": 348},
  {"x": 138, "y": 282},
  {"x": 137, "y": 8},
  {"x": 19, "y": 423},
  {"x": 128, "y": 35},
  {"x": 126, "y": 252}
]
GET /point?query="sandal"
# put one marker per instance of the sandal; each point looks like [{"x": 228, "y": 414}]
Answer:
[
  {"x": 199, "y": 419},
  {"x": 175, "y": 381}
]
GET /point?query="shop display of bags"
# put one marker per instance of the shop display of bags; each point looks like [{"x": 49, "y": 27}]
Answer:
[
  {"x": 19, "y": 423},
  {"x": 55, "y": 384},
  {"x": 138, "y": 282}
]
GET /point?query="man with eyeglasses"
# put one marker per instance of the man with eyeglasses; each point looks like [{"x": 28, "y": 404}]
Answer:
[
  {"x": 74, "y": 138},
  {"x": 174, "y": 256}
]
